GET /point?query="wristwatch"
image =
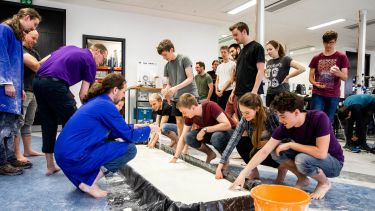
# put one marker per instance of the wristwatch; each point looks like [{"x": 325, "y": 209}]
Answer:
[{"x": 205, "y": 130}]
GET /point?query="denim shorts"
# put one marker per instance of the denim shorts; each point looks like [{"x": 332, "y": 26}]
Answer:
[
  {"x": 309, "y": 165},
  {"x": 168, "y": 127}
]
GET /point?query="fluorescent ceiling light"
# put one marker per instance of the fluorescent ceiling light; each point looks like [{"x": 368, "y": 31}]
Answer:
[
  {"x": 242, "y": 7},
  {"x": 326, "y": 24}
]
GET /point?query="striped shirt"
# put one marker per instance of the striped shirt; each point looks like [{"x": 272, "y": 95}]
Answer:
[{"x": 271, "y": 124}]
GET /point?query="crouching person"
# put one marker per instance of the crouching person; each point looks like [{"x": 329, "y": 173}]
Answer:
[
  {"x": 84, "y": 150},
  {"x": 251, "y": 134},
  {"x": 164, "y": 120},
  {"x": 214, "y": 127},
  {"x": 314, "y": 151}
]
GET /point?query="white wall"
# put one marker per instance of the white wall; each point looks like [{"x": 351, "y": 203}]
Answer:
[
  {"x": 142, "y": 33},
  {"x": 305, "y": 59}
]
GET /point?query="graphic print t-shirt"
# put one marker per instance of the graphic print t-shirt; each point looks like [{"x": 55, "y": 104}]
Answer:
[
  {"x": 322, "y": 65},
  {"x": 276, "y": 71}
]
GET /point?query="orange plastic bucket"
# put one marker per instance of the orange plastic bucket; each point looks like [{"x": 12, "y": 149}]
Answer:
[{"x": 279, "y": 197}]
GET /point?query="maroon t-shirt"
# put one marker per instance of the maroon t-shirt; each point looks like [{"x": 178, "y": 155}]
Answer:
[
  {"x": 322, "y": 65},
  {"x": 316, "y": 125},
  {"x": 210, "y": 112}
]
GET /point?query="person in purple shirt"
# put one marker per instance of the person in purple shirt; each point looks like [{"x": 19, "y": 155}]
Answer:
[
  {"x": 312, "y": 152},
  {"x": 65, "y": 67}
]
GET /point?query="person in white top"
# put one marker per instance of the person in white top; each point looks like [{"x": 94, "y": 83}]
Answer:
[{"x": 224, "y": 80}]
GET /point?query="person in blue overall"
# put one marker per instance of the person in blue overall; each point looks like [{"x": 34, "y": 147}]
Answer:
[
  {"x": 11, "y": 85},
  {"x": 86, "y": 149}
]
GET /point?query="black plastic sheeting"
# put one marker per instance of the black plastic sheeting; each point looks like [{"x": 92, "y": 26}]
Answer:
[{"x": 136, "y": 193}]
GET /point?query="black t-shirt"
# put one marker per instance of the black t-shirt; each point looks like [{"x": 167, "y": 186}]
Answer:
[
  {"x": 29, "y": 74},
  {"x": 276, "y": 72},
  {"x": 213, "y": 75},
  {"x": 166, "y": 111},
  {"x": 246, "y": 70}
]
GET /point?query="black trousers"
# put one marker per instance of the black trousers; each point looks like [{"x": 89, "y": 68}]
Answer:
[
  {"x": 222, "y": 101},
  {"x": 244, "y": 148},
  {"x": 269, "y": 99},
  {"x": 55, "y": 101}
]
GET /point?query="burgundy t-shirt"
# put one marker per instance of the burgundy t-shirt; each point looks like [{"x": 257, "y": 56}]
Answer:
[
  {"x": 316, "y": 125},
  {"x": 322, "y": 65},
  {"x": 210, "y": 112}
]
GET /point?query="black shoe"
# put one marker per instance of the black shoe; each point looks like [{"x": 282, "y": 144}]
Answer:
[
  {"x": 21, "y": 164},
  {"x": 9, "y": 170},
  {"x": 365, "y": 147},
  {"x": 347, "y": 147}
]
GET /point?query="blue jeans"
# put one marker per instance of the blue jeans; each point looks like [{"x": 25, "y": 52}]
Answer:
[
  {"x": 217, "y": 139},
  {"x": 326, "y": 104},
  {"x": 117, "y": 163},
  {"x": 168, "y": 127},
  {"x": 309, "y": 165}
]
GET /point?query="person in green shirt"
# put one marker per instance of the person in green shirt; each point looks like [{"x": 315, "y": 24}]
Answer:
[{"x": 204, "y": 82}]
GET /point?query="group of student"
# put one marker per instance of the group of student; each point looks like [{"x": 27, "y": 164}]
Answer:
[
  {"x": 287, "y": 138},
  {"x": 96, "y": 141}
]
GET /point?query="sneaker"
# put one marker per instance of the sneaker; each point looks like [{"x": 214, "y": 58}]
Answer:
[
  {"x": 356, "y": 149},
  {"x": 9, "y": 170},
  {"x": 21, "y": 164},
  {"x": 365, "y": 147}
]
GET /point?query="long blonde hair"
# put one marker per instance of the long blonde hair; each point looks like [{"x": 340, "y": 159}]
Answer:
[{"x": 254, "y": 102}]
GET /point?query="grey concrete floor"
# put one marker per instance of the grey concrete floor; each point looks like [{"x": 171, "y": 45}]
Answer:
[{"x": 354, "y": 189}]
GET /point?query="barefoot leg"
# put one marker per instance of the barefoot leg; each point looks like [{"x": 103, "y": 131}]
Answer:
[
  {"x": 281, "y": 173},
  {"x": 27, "y": 148},
  {"x": 322, "y": 187},
  {"x": 93, "y": 190},
  {"x": 254, "y": 174},
  {"x": 51, "y": 166},
  {"x": 208, "y": 151},
  {"x": 17, "y": 150},
  {"x": 302, "y": 180}
]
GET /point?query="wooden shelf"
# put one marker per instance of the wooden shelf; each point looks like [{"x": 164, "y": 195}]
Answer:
[
  {"x": 106, "y": 68},
  {"x": 144, "y": 88}
]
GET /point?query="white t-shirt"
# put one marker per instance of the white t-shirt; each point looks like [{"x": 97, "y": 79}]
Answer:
[{"x": 224, "y": 73}]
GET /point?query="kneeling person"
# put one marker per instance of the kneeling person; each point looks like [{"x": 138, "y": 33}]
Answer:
[
  {"x": 214, "y": 127},
  {"x": 83, "y": 147},
  {"x": 314, "y": 151}
]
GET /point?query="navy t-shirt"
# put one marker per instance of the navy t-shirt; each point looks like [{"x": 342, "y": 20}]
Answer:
[{"x": 316, "y": 125}]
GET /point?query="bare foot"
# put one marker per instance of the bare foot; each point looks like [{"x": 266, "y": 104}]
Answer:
[
  {"x": 93, "y": 190},
  {"x": 321, "y": 190},
  {"x": 52, "y": 171},
  {"x": 254, "y": 175},
  {"x": 225, "y": 166},
  {"x": 210, "y": 157},
  {"x": 21, "y": 158},
  {"x": 281, "y": 173},
  {"x": 185, "y": 152},
  {"x": 302, "y": 182},
  {"x": 32, "y": 153},
  {"x": 173, "y": 144}
]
